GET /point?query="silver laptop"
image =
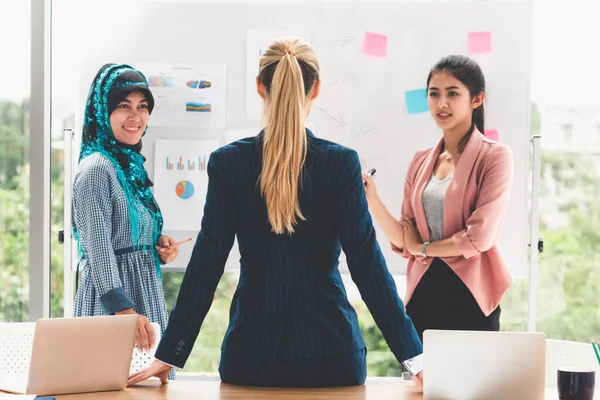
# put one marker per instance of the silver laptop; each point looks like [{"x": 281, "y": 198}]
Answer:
[
  {"x": 77, "y": 355},
  {"x": 470, "y": 365}
]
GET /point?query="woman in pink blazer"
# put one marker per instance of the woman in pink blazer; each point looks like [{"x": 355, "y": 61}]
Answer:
[{"x": 455, "y": 197}]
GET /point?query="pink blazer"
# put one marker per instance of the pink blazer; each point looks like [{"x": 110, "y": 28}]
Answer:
[{"x": 474, "y": 206}]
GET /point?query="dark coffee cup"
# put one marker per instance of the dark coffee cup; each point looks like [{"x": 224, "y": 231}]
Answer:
[{"x": 576, "y": 383}]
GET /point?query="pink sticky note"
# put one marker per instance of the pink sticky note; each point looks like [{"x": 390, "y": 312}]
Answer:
[
  {"x": 492, "y": 134},
  {"x": 480, "y": 42},
  {"x": 375, "y": 44}
]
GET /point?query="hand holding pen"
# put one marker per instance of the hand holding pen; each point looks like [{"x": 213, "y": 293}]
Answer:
[
  {"x": 370, "y": 188},
  {"x": 168, "y": 248},
  {"x": 178, "y": 243}
]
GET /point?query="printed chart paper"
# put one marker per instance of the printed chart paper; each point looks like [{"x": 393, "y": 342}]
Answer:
[
  {"x": 181, "y": 181},
  {"x": 187, "y": 95}
]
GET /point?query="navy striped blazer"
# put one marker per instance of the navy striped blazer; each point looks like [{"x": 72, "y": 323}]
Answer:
[{"x": 290, "y": 302}]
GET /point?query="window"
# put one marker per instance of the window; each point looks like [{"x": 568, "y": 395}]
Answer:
[
  {"x": 568, "y": 304},
  {"x": 567, "y": 130},
  {"x": 15, "y": 23},
  {"x": 207, "y": 350},
  {"x": 63, "y": 95}
]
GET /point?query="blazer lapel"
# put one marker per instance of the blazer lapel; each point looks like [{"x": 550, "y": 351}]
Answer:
[{"x": 453, "y": 201}]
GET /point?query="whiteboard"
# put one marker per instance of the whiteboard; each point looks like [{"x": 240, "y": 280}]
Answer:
[{"x": 362, "y": 103}]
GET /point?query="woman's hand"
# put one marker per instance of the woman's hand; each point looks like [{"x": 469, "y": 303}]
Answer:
[
  {"x": 167, "y": 254},
  {"x": 370, "y": 188},
  {"x": 144, "y": 337},
  {"x": 412, "y": 239},
  {"x": 418, "y": 379},
  {"x": 158, "y": 369}
]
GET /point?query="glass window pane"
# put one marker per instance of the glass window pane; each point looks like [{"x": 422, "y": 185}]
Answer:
[
  {"x": 15, "y": 23},
  {"x": 66, "y": 117},
  {"x": 565, "y": 90},
  {"x": 207, "y": 350}
]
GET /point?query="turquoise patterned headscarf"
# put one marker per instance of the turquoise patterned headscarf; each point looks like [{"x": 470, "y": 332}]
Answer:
[{"x": 111, "y": 85}]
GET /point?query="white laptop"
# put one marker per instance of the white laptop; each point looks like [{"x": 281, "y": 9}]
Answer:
[
  {"x": 469, "y": 365},
  {"x": 77, "y": 355}
]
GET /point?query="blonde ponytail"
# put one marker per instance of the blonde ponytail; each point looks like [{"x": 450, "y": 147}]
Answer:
[{"x": 288, "y": 70}]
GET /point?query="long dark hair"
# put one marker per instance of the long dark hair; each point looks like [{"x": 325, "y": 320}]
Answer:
[{"x": 469, "y": 73}]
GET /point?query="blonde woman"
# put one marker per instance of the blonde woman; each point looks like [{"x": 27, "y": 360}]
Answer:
[{"x": 294, "y": 201}]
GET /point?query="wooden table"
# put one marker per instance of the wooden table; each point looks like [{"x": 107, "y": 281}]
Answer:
[{"x": 375, "y": 389}]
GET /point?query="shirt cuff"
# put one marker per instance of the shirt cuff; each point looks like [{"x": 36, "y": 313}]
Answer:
[
  {"x": 414, "y": 365},
  {"x": 116, "y": 300},
  {"x": 170, "y": 365}
]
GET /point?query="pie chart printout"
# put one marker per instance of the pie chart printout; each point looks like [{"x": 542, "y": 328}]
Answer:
[{"x": 184, "y": 190}]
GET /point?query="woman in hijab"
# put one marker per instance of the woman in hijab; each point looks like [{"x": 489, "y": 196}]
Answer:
[{"x": 117, "y": 222}]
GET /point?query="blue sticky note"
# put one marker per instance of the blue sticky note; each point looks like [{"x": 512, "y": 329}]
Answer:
[{"x": 416, "y": 101}]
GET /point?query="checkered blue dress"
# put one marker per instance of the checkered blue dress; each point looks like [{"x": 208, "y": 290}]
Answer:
[{"x": 110, "y": 264}]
